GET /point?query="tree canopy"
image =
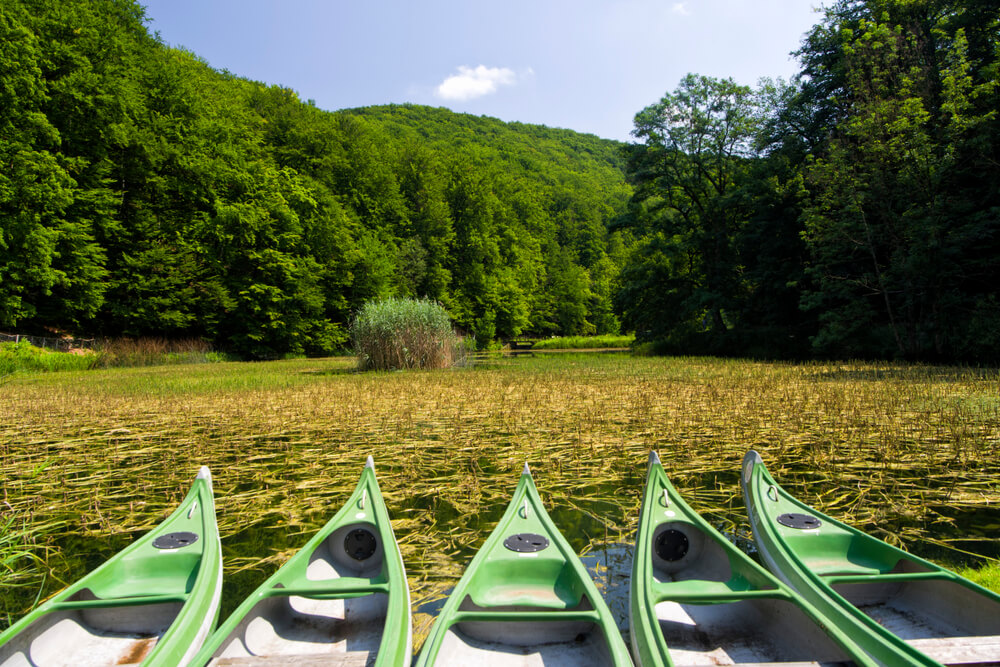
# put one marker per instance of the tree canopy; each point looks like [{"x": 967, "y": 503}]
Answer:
[
  {"x": 145, "y": 193},
  {"x": 853, "y": 211}
]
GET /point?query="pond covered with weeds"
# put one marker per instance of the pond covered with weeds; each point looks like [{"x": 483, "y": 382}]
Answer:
[{"x": 91, "y": 460}]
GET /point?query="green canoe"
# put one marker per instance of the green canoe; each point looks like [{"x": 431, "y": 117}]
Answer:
[
  {"x": 696, "y": 599},
  {"x": 154, "y": 603},
  {"x": 525, "y": 600},
  {"x": 901, "y": 609},
  {"x": 341, "y": 600}
]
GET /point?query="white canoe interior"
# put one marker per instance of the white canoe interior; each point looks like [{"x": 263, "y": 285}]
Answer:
[
  {"x": 945, "y": 620},
  {"x": 297, "y": 630},
  {"x": 97, "y": 636},
  {"x": 749, "y": 631},
  {"x": 524, "y": 643}
]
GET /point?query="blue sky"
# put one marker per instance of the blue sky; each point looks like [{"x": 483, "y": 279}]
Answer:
[{"x": 586, "y": 65}]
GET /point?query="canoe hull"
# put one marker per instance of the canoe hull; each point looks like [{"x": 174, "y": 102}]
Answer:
[
  {"x": 342, "y": 599},
  {"x": 154, "y": 603},
  {"x": 696, "y": 599},
  {"x": 900, "y": 608},
  {"x": 525, "y": 600}
]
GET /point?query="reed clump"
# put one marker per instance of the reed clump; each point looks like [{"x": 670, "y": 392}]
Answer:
[{"x": 396, "y": 333}]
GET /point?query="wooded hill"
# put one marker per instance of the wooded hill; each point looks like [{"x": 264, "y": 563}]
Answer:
[
  {"x": 853, "y": 211},
  {"x": 145, "y": 193}
]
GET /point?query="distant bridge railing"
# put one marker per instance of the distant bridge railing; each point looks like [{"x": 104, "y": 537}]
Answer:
[{"x": 59, "y": 344}]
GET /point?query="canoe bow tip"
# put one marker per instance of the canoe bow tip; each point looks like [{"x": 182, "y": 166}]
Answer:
[
  {"x": 205, "y": 474},
  {"x": 654, "y": 458},
  {"x": 750, "y": 461},
  {"x": 527, "y": 470},
  {"x": 370, "y": 463}
]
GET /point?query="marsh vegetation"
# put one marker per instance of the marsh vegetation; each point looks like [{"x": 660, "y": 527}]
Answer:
[{"x": 91, "y": 460}]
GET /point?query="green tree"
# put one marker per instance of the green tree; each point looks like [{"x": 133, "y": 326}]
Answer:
[
  {"x": 896, "y": 251},
  {"x": 51, "y": 269},
  {"x": 688, "y": 207}
]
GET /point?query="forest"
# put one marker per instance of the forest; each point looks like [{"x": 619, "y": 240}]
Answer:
[{"x": 852, "y": 212}]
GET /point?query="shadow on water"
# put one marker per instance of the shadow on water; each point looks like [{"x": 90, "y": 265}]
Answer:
[
  {"x": 905, "y": 374},
  {"x": 320, "y": 372}
]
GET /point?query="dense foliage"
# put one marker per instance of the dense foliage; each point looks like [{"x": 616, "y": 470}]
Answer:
[
  {"x": 852, "y": 212},
  {"x": 143, "y": 193}
]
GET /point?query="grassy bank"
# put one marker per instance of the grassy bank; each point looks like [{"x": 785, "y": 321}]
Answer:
[
  {"x": 91, "y": 460},
  {"x": 987, "y": 576},
  {"x": 583, "y": 342},
  {"x": 23, "y": 357}
]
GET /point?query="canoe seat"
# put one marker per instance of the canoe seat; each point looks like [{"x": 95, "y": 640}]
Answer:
[
  {"x": 340, "y": 587},
  {"x": 855, "y": 566},
  {"x": 160, "y": 573},
  {"x": 883, "y": 577},
  {"x": 548, "y": 583},
  {"x": 527, "y": 616},
  {"x": 86, "y": 600},
  {"x": 736, "y": 588},
  {"x": 832, "y": 550}
]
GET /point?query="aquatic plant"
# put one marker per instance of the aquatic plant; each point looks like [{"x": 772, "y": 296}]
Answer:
[
  {"x": 400, "y": 333},
  {"x": 910, "y": 453}
]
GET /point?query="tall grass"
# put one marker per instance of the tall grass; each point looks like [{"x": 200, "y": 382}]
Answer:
[
  {"x": 22, "y": 356},
  {"x": 22, "y": 557},
  {"x": 404, "y": 333},
  {"x": 151, "y": 351},
  {"x": 584, "y": 342},
  {"x": 25, "y": 357}
]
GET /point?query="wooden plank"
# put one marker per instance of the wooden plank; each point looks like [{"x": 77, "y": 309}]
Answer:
[
  {"x": 973, "y": 650},
  {"x": 781, "y": 664},
  {"x": 310, "y": 660}
]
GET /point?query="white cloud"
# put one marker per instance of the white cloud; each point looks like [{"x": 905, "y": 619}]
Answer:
[
  {"x": 473, "y": 82},
  {"x": 681, "y": 9}
]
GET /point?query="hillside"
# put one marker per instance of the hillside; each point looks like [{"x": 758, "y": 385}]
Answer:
[{"x": 152, "y": 195}]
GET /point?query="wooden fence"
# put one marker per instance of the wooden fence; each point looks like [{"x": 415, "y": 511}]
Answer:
[{"x": 59, "y": 344}]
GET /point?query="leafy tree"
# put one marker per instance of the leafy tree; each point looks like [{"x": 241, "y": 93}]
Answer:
[
  {"x": 896, "y": 254},
  {"x": 51, "y": 269},
  {"x": 689, "y": 173},
  {"x": 144, "y": 193},
  {"x": 427, "y": 234}
]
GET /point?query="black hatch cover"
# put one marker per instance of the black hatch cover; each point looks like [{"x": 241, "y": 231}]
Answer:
[
  {"x": 175, "y": 540},
  {"x": 799, "y": 521},
  {"x": 526, "y": 542}
]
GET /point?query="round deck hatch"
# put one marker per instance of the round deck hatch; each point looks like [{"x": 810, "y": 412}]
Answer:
[
  {"x": 799, "y": 521},
  {"x": 360, "y": 544},
  {"x": 177, "y": 540},
  {"x": 671, "y": 545},
  {"x": 524, "y": 543}
]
